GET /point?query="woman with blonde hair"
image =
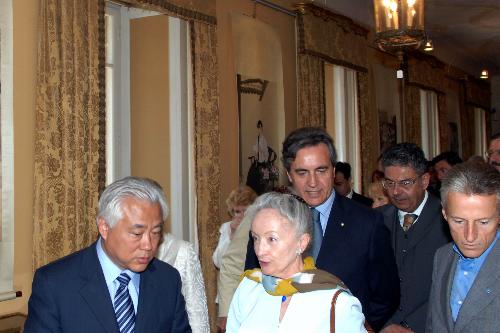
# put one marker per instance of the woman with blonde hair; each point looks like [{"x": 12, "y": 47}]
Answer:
[
  {"x": 237, "y": 202},
  {"x": 377, "y": 193}
]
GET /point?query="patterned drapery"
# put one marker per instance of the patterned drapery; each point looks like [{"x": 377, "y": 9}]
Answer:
[
  {"x": 412, "y": 131},
  {"x": 334, "y": 38},
  {"x": 368, "y": 129},
  {"x": 311, "y": 91},
  {"x": 70, "y": 122},
  {"x": 322, "y": 37},
  {"x": 207, "y": 171},
  {"x": 69, "y": 149},
  {"x": 326, "y": 37},
  {"x": 468, "y": 131},
  {"x": 444, "y": 139}
]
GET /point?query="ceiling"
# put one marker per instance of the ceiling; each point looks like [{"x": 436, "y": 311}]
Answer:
[{"x": 465, "y": 33}]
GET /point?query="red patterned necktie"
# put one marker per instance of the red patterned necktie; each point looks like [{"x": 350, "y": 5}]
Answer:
[{"x": 408, "y": 221}]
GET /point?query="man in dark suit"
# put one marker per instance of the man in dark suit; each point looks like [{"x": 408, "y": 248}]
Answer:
[
  {"x": 343, "y": 184},
  {"x": 465, "y": 293},
  {"x": 355, "y": 244},
  {"x": 493, "y": 153},
  {"x": 115, "y": 285},
  {"x": 417, "y": 231}
]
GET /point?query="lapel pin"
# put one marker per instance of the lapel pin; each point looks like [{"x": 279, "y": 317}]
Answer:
[
  {"x": 342, "y": 224},
  {"x": 488, "y": 291}
]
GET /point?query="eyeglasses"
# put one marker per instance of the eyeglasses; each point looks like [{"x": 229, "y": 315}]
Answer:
[
  {"x": 491, "y": 153},
  {"x": 406, "y": 183}
]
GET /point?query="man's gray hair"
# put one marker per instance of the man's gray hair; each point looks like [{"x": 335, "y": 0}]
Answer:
[
  {"x": 110, "y": 203},
  {"x": 296, "y": 212},
  {"x": 471, "y": 178}
]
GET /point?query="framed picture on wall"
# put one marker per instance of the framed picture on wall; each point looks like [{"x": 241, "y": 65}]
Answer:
[
  {"x": 257, "y": 143},
  {"x": 261, "y": 101},
  {"x": 388, "y": 133}
]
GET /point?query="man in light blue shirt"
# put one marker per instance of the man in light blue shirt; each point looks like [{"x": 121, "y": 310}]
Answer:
[{"x": 465, "y": 293}]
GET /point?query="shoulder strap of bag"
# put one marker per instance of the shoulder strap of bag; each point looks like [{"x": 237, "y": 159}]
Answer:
[{"x": 332, "y": 314}]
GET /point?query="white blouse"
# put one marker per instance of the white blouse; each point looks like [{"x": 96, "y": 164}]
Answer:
[
  {"x": 254, "y": 310},
  {"x": 183, "y": 257},
  {"x": 224, "y": 240}
]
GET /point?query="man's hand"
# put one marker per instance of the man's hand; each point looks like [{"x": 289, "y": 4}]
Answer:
[
  {"x": 395, "y": 328},
  {"x": 221, "y": 324}
]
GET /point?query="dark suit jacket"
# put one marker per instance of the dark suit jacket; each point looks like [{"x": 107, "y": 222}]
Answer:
[
  {"x": 362, "y": 199},
  {"x": 356, "y": 248},
  {"x": 429, "y": 233},
  {"x": 480, "y": 311},
  {"x": 70, "y": 295}
]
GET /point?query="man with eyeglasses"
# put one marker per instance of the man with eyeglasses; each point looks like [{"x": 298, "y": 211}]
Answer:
[
  {"x": 465, "y": 293},
  {"x": 417, "y": 230},
  {"x": 493, "y": 153}
]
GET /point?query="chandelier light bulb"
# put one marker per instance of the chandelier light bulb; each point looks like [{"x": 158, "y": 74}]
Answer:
[{"x": 428, "y": 46}]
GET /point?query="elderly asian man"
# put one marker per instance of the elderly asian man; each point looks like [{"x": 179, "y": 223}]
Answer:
[{"x": 116, "y": 284}]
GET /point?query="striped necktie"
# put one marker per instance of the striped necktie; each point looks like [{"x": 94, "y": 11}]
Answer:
[
  {"x": 124, "y": 308},
  {"x": 317, "y": 233}
]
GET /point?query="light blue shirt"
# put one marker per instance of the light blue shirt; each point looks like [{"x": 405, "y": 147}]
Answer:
[
  {"x": 465, "y": 274},
  {"x": 324, "y": 211},
  {"x": 111, "y": 272}
]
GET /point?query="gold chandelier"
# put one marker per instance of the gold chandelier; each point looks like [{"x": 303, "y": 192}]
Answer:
[{"x": 399, "y": 25}]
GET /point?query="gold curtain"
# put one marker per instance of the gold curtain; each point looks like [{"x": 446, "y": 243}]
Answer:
[
  {"x": 444, "y": 139},
  {"x": 368, "y": 131},
  {"x": 311, "y": 91},
  {"x": 206, "y": 122},
  {"x": 468, "y": 131},
  {"x": 198, "y": 10},
  {"x": 412, "y": 129},
  {"x": 69, "y": 136}
]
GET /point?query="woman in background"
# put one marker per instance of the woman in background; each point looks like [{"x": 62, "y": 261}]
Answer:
[
  {"x": 377, "y": 193},
  {"x": 237, "y": 202},
  {"x": 183, "y": 257}
]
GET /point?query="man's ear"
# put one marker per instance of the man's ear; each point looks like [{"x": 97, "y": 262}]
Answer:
[
  {"x": 289, "y": 178},
  {"x": 426, "y": 177},
  {"x": 103, "y": 228},
  {"x": 444, "y": 214}
]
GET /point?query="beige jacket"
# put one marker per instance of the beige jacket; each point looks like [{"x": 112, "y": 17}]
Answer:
[{"x": 233, "y": 264}]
